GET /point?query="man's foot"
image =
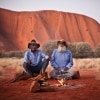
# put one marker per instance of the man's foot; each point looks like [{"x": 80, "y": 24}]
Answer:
[
  {"x": 76, "y": 75},
  {"x": 20, "y": 76}
]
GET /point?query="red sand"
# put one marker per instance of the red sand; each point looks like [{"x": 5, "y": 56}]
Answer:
[{"x": 20, "y": 90}]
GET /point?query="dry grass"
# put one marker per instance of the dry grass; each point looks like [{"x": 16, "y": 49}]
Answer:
[
  {"x": 16, "y": 63},
  {"x": 12, "y": 63},
  {"x": 87, "y": 63}
]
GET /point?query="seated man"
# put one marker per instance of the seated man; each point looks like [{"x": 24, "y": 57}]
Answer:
[
  {"x": 35, "y": 61},
  {"x": 61, "y": 60}
]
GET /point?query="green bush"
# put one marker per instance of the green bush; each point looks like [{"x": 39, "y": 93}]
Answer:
[
  {"x": 97, "y": 51},
  {"x": 1, "y": 54},
  {"x": 83, "y": 50},
  {"x": 72, "y": 48},
  {"x": 78, "y": 49}
]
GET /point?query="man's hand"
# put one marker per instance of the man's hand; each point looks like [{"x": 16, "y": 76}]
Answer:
[
  {"x": 66, "y": 69},
  {"x": 29, "y": 62}
]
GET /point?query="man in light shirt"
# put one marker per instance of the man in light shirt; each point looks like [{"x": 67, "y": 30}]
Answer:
[
  {"x": 35, "y": 60},
  {"x": 61, "y": 60}
]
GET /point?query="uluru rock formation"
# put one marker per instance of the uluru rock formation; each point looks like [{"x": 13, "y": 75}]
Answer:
[{"x": 18, "y": 28}]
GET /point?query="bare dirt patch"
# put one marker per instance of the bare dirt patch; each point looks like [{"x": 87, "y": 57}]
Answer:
[{"x": 20, "y": 90}]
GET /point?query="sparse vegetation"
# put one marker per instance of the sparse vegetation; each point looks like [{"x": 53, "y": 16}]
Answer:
[
  {"x": 78, "y": 49},
  {"x": 16, "y": 64},
  {"x": 12, "y": 63},
  {"x": 97, "y": 51},
  {"x": 72, "y": 47},
  {"x": 87, "y": 63},
  {"x": 83, "y": 50},
  {"x": 18, "y": 54}
]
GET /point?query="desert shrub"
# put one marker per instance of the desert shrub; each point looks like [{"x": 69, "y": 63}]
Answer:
[
  {"x": 83, "y": 50},
  {"x": 1, "y": 54},
  {"x": 49, "y": 46},
  {"x": 78, "y": 49},
  {"x": 97, "y": 51},
  {"x": 18, "y": 54},
  {"x": 72, "y": 48}
]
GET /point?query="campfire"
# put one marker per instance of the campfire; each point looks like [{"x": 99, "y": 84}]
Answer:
[
  {"x": 62, "y": 82},
  {"x": 44, "y": 85},
  {"x": 61, "y": 78}
]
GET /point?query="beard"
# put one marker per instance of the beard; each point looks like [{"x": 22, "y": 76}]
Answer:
[{"x": 62, "y": 49}]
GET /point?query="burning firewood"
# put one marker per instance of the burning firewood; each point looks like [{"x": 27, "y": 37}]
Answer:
[{"x": 62, "y": 81}]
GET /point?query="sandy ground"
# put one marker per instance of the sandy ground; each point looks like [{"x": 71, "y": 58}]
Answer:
[{"x": 20, "y": 90}]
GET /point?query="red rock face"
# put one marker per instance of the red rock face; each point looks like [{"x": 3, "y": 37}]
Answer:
[{"x": 18, "y": 28}]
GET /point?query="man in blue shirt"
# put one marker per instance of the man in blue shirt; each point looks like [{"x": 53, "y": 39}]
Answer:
[
  {"x": 61, "y": 59},
  {"x": 35, "y": 60}
]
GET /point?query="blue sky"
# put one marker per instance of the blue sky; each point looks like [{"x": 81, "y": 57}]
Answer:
[{"x": 86, "y": 7}]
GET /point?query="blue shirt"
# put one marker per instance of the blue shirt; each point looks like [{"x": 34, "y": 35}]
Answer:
[
  {"x": 35, "y": 57},
  {"x": 61, "y": 60}
]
